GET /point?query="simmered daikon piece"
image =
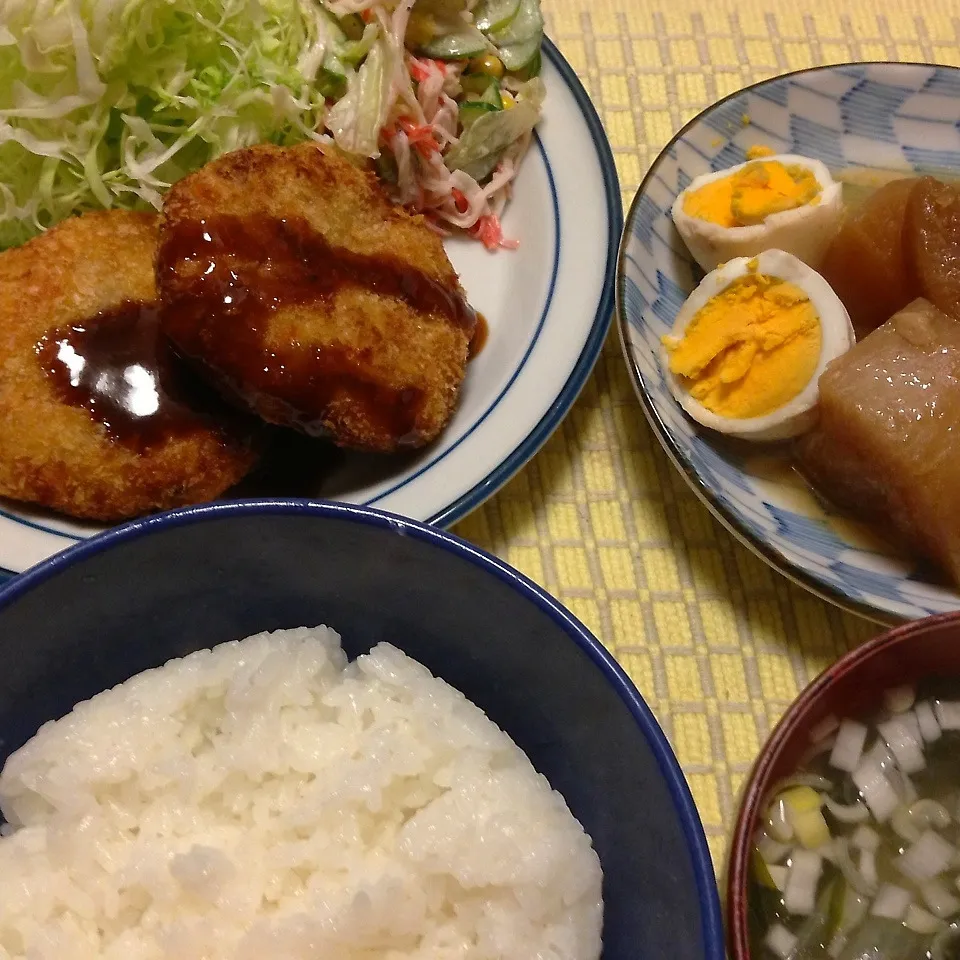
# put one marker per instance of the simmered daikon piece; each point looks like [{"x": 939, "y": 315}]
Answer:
[
  {"x": 932, "y": 241},
  {"x": 887, "y": 445},
  {"x": 866, "y": 265}
]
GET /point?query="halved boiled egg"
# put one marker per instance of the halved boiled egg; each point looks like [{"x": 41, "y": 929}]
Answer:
[
  {"x": 783, "y": 202},
  {"x": 749, "y": 345}
]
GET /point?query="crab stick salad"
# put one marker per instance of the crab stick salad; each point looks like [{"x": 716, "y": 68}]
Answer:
[
  {"x": 107, "y": 103},
  {"x": 464, "y": 98}
]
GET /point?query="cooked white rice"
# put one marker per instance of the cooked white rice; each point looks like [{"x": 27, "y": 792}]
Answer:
[{"x": 267, "y": 800}]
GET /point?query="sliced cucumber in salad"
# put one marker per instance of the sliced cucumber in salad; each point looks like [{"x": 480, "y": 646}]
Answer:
[
  {"x": 459, "y": 45},
  {"x": 531, "y": 68},
  {"x": 523, "y": 57},
  {"x": 511, "y": 28},
  {"x": 478, "y": 105},
  {"x": 473, "y": 110},
  {"x": 525, "y": 25},
  {"x": 492, "y": 95},
  {"x": 493, "y": 15},
  {"x": 518, "y": 41}
]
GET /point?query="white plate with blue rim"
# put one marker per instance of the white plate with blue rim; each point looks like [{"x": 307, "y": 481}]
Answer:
[
  {"x": 856, "y": 118},
  {"x": 548, "y": 306}
]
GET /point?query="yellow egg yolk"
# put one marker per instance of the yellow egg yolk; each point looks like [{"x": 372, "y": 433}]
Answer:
[
  {"x": 750, "y": 349},
  {"x": 753, "y": 193},
  {"x": 758, "y": 150}
]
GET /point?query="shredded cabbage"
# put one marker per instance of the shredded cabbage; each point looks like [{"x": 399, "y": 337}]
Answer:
[{"x": 106, "y": 103}]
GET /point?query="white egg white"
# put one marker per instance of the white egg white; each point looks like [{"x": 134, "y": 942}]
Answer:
[
  {"x": 837, "y": 337},
  {"x": 805, "y": 232}
]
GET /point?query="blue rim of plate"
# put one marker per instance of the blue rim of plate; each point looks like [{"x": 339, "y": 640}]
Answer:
[
  {"x": 667, "y": 763},
  {"x": 729, "y": 521},
  {"x": 565, "y": 399},
  {"x": 539, "y": 435}
]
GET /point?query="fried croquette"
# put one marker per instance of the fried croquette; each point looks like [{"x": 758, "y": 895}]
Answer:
[
  {"x": 312, "y": 299},
  {"x": 90, "y": 424}
]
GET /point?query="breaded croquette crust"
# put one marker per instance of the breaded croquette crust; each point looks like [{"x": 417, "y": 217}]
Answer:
[
  {"x": 313, "y": 299},
  {"x": 58, "y": 454}
]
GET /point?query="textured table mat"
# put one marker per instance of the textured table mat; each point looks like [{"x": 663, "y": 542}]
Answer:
[{"x": 717, "y": 642}]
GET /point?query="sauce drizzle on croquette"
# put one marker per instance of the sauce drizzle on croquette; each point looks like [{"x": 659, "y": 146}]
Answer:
[
  {"x": 119, "y": 367},
  {"x": 229, "y": 273},
  {"x": 259, "y": 263}
]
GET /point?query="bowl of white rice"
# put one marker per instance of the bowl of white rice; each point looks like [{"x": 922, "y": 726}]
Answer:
[{"x": 300, "y": 730}]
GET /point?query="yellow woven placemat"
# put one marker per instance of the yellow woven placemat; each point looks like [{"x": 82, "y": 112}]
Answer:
[{"x": 717, "y": 643}]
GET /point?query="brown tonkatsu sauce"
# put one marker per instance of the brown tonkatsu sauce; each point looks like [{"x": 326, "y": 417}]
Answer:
[
  {"x": 119, "y": 367},
  {"x": 481, "y": 334},
  {"x": 223, "y": 277}
]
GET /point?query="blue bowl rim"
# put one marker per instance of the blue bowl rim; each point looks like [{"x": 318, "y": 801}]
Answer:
[
  {"x": 623, "y": 686},
  {"x": 730, "y": 521}
]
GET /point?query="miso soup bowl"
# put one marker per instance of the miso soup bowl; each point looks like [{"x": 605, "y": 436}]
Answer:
[
  {"x": 854, "y": 685},
  {"x": 134, "y": 597}
]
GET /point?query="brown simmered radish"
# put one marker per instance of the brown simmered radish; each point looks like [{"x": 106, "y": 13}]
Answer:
[
  {"x": 887, "y": 446},
  {"x": 866, "y": 265},
  {"x": 932, "y": 241}
]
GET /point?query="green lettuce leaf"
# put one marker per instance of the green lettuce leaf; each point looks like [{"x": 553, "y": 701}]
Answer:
[
  {"x": 482, "y": 144},
  {"x": 356, "y": 119}
]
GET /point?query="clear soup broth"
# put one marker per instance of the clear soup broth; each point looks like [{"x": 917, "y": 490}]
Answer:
[{"x": 858, "y": 854}]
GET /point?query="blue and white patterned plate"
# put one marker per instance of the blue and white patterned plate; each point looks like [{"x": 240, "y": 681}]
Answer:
[{"x": 882, "y": 116}]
